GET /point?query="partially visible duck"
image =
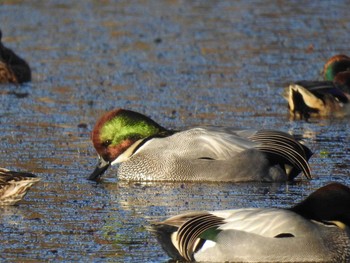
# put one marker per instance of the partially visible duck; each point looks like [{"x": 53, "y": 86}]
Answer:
[
  {"x": 13, "y": 69},
  {"x": 147, "y": 151},
  {"x": 315, "y": 230},
  {"x": 322, "y": 98},
  {"x": 14, "y": 185}
]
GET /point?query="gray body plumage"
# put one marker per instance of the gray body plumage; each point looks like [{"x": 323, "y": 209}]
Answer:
[
  {"x": 314, "y": 230},
  {"x": 250, "y": 236},
  {"x": 253, "y": 235},
  {"x": 202, "y": 155}
]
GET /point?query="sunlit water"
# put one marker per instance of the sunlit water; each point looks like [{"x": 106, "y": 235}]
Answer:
[{"x": 184, "y": 63}]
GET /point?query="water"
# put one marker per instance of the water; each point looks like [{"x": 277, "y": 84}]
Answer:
[{"x": 182, "y": 63}]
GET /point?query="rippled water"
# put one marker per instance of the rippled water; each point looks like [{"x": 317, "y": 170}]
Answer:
[{"x": 183, "y": 63}]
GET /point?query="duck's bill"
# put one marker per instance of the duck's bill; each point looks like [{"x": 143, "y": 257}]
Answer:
[{"x": 101, "y": 167}]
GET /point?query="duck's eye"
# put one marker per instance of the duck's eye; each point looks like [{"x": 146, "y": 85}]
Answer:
[{"x": 106, "y": 143}]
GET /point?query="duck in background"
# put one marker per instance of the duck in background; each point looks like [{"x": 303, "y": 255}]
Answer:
[
  {"x": 147, "y": 151},
  {"x": 13, "y": 69},
  {"x": 315, "y": 230},
  {"x": 330, "y": 97},
  {"x": 14, "y": 185}
]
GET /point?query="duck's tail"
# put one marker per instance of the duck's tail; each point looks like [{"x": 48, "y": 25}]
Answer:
[
  {"x": 282, "y": 148},
  {"x": 302, "y": 102},
  {"x": 183, "y": 235},
  {"x": 306, "y": 98}
]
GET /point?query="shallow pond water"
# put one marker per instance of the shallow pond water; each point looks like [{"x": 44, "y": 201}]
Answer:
[{"x": 184, "y": 63}]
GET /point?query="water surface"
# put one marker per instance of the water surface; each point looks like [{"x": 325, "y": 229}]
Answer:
[{"x": 183, "y": 63}]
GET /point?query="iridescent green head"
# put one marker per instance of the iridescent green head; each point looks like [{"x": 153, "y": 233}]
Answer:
[
  {"x": 118, "y": 130},
  {"x": 335, "y": 65}
]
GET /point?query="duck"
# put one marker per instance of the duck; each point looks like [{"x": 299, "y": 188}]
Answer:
[
  {"x": 15, "y": 185},
  {"x": 13, "y": 69},
  {"x": 146, "y": 151},
  {"x": 330, "y": 97},
  {"x": 314, "y": 230}
]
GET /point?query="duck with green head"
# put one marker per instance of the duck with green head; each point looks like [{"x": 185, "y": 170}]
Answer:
[
  {"x": 147, "y": 151},
  {"x": 330, "y": 97},
  {"x": 13, "y": 69},
  {"x": 315, "y": 230}
]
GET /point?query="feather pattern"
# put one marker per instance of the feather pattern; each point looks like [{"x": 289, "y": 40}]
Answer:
[
  {"x": 286, "y": 147},
  {"x": 190, "y": 231},
  {"x": 14, "y": 185}
]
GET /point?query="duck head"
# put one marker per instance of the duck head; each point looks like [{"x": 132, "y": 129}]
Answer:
[
  {"x": 329, "y": 203},
  {"x": 117, "y": 134},
  {"x": 334, "y": 65}
]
